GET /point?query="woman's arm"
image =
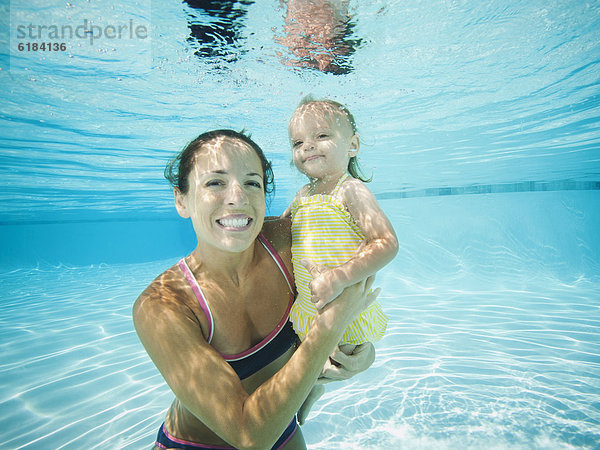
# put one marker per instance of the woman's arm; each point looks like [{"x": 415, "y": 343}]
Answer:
[
  {"x": 209, "y": 388},
  {"x": 378, "y": 249}
]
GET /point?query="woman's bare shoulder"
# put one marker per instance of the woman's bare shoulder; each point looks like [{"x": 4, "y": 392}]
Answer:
[
  {"x": 161, "y": 293},
  {"x": 278, "y": 231}
]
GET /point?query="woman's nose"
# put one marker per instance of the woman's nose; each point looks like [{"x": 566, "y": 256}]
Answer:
[{"x": 236, "y": 195}]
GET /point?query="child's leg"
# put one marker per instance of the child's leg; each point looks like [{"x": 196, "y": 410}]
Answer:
[
  {"x": 313, "y": 396},
  {"x": 318, "y": 389}
]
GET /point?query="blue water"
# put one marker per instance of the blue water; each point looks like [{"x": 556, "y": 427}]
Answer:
[{"x": 480, "y": 123}]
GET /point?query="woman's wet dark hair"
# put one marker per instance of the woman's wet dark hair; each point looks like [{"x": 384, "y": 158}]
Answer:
[{"x": 178, "y": 169}]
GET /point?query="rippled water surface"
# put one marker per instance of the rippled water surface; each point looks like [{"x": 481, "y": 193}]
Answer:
[{"x": 445, "y": 94}]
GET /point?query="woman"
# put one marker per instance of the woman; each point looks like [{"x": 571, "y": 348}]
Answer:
[{"x": 216, "y": 324}]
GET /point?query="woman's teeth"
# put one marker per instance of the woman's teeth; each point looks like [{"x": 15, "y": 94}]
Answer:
[{"x": 234, "y": 223}]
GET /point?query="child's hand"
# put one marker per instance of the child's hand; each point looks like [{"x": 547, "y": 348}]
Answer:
[{"x": 324, "y": 286}]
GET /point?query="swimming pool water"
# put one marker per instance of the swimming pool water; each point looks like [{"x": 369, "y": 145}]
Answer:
[
  {"x": 480, "y": 123},
  {"x": 492, "y": 341}
]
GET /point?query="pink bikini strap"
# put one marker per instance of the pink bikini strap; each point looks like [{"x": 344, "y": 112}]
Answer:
[
  {"x": 188, "y": 443},
  {"x": 267, "y": 245},
  {"x": 202, "y": 300},
  {"x": 198, "y": 292}
]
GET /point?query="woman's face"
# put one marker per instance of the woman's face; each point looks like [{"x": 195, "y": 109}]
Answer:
[{"x": 225, "y": 199}]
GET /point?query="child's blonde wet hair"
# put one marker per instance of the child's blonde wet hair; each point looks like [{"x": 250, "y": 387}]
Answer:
[{"x": 354, "y": 168}]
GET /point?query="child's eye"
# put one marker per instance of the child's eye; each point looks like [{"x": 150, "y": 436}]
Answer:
[
  {"x": 296, "y": 144},
  {"x": 323, "y": 136}
]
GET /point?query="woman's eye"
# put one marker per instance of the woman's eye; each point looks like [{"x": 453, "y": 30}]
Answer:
[
  {"x": 211, "y": 183},
  {"x": 254, "y": 184}
]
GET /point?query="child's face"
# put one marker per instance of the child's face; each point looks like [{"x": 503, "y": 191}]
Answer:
[{"x": 322, "y": 141}]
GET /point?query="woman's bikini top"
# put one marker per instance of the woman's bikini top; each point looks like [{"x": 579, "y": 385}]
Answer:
[{"x": 275, "y": 344}]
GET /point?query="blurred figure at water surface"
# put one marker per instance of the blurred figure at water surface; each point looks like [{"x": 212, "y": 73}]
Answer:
[
  {"x": 216, "y": 27},
  {"x": 318, "y": 34}
]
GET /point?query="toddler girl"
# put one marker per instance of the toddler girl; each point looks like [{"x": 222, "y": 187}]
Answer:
[{"x": 340, "y": 235}]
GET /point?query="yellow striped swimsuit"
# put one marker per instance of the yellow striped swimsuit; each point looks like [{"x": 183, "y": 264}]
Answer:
[{"x": 325, "y": 232}]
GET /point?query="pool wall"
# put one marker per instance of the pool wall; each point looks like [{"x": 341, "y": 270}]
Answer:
[
  {"x": 500, "y": 236},
  {"x": 484, "y": 233},
  {"x": 94, "y": 242}
]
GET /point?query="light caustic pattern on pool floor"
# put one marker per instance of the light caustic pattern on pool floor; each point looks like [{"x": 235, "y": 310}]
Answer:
[
  {"x": 487, "y": 368},
  {"x": 495, "y": 366},
  {"x": 73, "y": 373}
]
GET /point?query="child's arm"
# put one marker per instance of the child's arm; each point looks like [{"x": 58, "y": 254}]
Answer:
[
  {"x": 378, "y": 249},
  {"x": 287, "y": 214}
]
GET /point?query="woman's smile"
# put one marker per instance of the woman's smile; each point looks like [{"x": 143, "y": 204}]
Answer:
[{"x": 235, "y": 222}]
